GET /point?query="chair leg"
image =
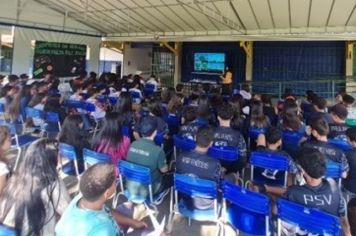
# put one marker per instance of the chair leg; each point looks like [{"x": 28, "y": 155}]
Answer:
[{"x": 19, "y": 151}]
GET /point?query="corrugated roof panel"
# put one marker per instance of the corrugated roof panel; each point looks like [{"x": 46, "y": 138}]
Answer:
[
  {"x": 319, "y": 12},
  {"x": 299, "y": 13},
  {"x": 245, "y": 13},
  {"x": 262, "y": 13},
  {"x": 341, "y": 12},
  {"x": 280, "y": 13}
]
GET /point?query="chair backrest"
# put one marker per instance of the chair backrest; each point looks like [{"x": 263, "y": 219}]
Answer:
[
  {"x": 195, "y": 187},
  {"x": 183, "y": 143},
  {"x": 91, "y": 157},
  {"x": 311, "y": 220},
  {"x": 341, "y": 144},
  {"x": 334, "y": 170},
  {"x": 72, "y": 104},
  {"x": 269, "y": 161},
  {"x": 224, "y": 153},
  {"x": 52, "y": 117},
  {"x": 135, "y": 94},
  {"x": 159, "y": 138},
  {"x": 247, "y": 211},
  {"x": 113, "y": 100},
  {"x": 67, "y": 151},
  {"x": 34, "y": 113},
  {"x": 173, "y": 123},
  {"x": 101, "y": 98},
  {"x": 134, "y": 172},
  {"x": 7, "y": 231},
  {"x": 87, "y": 106},
  {"x": 290, "y": 142},
  {"x": 149, "y": 87},
  {"x": 254, "y": 132}
]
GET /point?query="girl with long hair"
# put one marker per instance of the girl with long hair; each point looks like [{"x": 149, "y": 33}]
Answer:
[
  {"x": 111, "y": 140},
  {"x": 257, "y": 118},
  {"x": 35, "y": 195},
  {"x": 5, "y": 144},
  {"x": 291, "y": 119},
  {"x": 72, "y": 134}
]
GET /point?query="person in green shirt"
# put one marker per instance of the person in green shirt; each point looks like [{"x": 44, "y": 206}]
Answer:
[{"x": 146, "y": 153}]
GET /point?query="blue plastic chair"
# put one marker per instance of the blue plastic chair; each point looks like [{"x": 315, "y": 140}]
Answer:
[
  {"x": 254, "y": 132},
  {"x": 140, "y": 174},
  {"x": 311, "y": 220},
  {"x": 149, "y": 89},
  {"x": 173, "y": 123},
  {"x": 113, "y": 100},
  {"x": 194, "y": 187},
  {"x": 36, "y": 114},
  {"x": 2, "y": 112},
  {"x": 53, "y": 123},
  {"x": 290, "y": 142},
  {"x": 18, "y": 141},
  {"x": 159, "y": 139},
  {"x": 7, "y": 231},
  {"x": 91, "y": 158},
  {"x": 334, "y": 170},
  {"x": 271, "y": 162},
  {"x": 183, "y": 144},
  {"x": 341, "y": 144},
  {"x": 67, "y": 152},
  {"x": 247, "y": 211},
  {"x": 224, "y": 153}
]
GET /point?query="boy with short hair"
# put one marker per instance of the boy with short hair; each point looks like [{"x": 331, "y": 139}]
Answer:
[
  {"x": 338, "y": 127},
  {"x": 350, "y": 182},
  {"x": 319, "y": 129}
]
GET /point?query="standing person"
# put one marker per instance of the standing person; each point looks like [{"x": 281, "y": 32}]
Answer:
[
  {"x": 226, "y": 81},
  {"x": 35, "y": 195},
  {"x": 5, "y": 144},
  {"x": 350, "y": 182}
]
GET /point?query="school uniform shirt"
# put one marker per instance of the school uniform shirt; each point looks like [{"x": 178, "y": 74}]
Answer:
[
  {"x": 226, "y": 136},
  {"x": 350, "y": 182},
  {"x": 331, "y": 152},
  {"x": 190, "y": 130},
  {"x": 325, "y": 197},
  {"x": 314, "y": 115},
  {"x": 202, "y": 166},
  {"x": 338, "y": 131},
  {"x": 146, "y": 153}
]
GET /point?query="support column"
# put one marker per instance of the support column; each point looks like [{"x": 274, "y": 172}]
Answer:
[
  {"x": 178, "y": 63},
  {"x": 248, "y": 48},
  {"x": 349, "y": 70}
]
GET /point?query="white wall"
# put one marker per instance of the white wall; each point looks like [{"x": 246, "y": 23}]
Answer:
[
  {"x": 137, "y": 59},
  {"x": 23, "y": 53},
  {"x": 107, "y": 54}
]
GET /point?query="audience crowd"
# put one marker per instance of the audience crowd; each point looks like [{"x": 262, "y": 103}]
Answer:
[{"x": 135, "y": 119}]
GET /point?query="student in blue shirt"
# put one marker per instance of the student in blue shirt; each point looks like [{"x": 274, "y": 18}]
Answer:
[{"x": 87, "y": 214}]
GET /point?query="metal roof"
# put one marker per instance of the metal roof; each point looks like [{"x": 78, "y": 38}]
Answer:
[{"x": 185, "y": 20}]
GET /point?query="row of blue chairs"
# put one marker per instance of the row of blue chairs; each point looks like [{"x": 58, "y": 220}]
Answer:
[{"x": 244, "y": 210}]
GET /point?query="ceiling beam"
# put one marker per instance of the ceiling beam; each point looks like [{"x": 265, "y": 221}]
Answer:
[
  {"x": 237, "y": 15},
  {"x": 254, "y": 14},
  {"x": 211, "y": 13},
  {"x": 352, "y": 12}
]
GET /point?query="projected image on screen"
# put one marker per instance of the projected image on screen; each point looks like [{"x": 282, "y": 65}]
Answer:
[{"x": 209, "y": 62}]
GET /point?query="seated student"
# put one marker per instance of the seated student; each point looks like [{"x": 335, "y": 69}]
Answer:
[
  {"x": 348, "y": 100},
  {"x": 152, "y": 80},
  {"x": 291, "y": 119},
  {"x": 35, "y": 196},
  {"x": 319, "y": 129},
  {"x": 110, "y": 139},
  {"x": 224, "y": 135},
  {"x": 72, "y": 133},
  {"x": 318, "y": 192},
  {"x": 100, "y": 109},
  {"x": 136, "y": 89},
  {"x": 87, "y": 214},
  {"x": 268, "y": 108},
  {"x": 350, "y": 182},
  {"x": 319, "y": 106},
  {"x": 5, "y": 144},
  {"x": 199, "y": 164},
  {"x": 338, "y": 127},
  {"x": 145, "y": 152},
  {"x": 351, "y": 209},
  {"x": 156, "y": 112},
  {"x": 270, "y": 142},
  {"x": 189, "y": 129}
]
